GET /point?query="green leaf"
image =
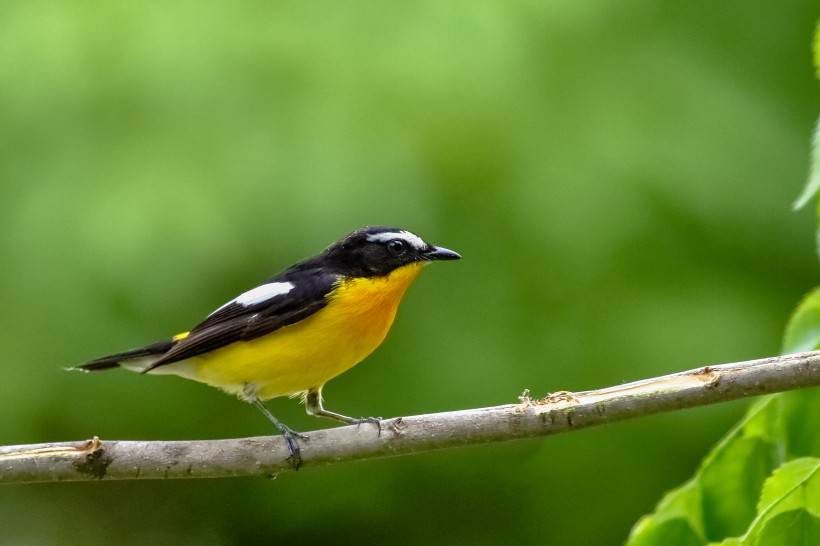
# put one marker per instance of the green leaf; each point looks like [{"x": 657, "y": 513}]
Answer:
[
  {"x": 797, "y": 527},
  {"x": 722, "y": 499},
  {"x": 731, "y": 476},
  {"x": 675, "y": 531},
  {"x": 801, "y": 420},
  {"x": 728, "y": 542},
  {"x": 731, "y": 493},
  {"x": 676, "y": 520},
  {"x": 803, "y": 330},
  {"x": 813, "y": 183},
  {"x": 788, "y": 508},
  {"x": 731, "y": 484},
  {"x": 780, "y": 490},
  {"x": 727, "y": 485},
  {"x": 792, "y": 489},
  {"x": 817, "y": 49}
]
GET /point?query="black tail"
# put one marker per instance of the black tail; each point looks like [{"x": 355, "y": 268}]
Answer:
[{"x": 114, "y": 361}]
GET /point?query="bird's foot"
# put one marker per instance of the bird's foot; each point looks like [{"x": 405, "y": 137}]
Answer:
[
  {"x": 291, "y": 438},
  {"x": 372, "y": 420}
]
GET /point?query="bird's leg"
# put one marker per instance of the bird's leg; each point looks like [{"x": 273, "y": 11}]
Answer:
[
  {"x": 313, "y": 406},
  {"x": 288, "y": 434}
]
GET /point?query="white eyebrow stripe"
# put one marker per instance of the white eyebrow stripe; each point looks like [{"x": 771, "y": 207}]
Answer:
[
  {"x": 260, "y": 294},
  {"x": 413, "y": 239}
]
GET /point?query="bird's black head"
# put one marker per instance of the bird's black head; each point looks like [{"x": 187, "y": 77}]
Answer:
[{"x": 376, "y": 251}]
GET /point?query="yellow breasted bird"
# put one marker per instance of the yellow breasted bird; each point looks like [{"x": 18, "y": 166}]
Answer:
[{"x": 299, "y": 329}]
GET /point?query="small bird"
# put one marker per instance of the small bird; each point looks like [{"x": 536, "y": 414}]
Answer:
[{"x": 293, "y": 333}]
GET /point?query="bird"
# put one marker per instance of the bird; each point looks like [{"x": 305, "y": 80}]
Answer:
[{"x": 294, "y": 332}]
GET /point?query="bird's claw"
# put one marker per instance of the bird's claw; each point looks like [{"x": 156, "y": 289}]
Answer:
[
  {"x": 291, "y": 437},
  {"x": 373, "y": 420}
]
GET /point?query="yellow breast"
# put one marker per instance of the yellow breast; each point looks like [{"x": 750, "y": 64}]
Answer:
[{"x": 309, "y": 353}]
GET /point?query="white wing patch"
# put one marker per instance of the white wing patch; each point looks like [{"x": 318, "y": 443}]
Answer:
[
  {"x": 260, "y": 294},
  {"x": 411, "y": 238}
]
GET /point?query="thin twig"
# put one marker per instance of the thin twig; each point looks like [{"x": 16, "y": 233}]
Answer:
[{"x": 267, "y": 456}]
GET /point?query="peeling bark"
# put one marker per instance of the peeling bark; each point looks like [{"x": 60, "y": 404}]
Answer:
[{"x": 268, "y": 456}]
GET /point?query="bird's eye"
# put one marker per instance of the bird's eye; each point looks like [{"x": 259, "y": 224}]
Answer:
[{"x": 397, "y": 247}]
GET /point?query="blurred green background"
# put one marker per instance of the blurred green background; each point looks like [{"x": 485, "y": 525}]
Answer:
[{"x": 618, "y": 177}]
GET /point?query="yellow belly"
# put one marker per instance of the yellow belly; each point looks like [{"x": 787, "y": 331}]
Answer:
[{"x": 309, "y": 353}]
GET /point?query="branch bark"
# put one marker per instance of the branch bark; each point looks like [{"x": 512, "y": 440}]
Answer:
[{"x": 267, "y": 456}]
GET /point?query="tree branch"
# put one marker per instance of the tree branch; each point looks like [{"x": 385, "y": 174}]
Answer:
[{"x": 558, "y": 412}]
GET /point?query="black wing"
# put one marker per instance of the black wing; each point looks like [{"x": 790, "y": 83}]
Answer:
[{"x": 242, "y": 322}]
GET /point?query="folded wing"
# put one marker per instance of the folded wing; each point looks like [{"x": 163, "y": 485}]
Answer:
[{"x": 255, "y": 313}]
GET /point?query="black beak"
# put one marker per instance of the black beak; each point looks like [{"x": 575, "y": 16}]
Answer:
[{"x": 440, "y": 253}]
